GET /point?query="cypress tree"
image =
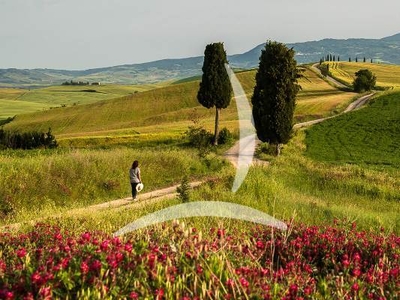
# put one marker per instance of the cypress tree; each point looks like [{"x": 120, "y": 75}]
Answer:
[
  {"x": 274, "y": 94},
  {"x": 215, "y": 87}
]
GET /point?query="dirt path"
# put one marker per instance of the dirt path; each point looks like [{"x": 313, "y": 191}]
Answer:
[
  {"x": 352, "y": 106},
  {"x": 143, "y": 198},
  {"x": 330, "y": 79}
]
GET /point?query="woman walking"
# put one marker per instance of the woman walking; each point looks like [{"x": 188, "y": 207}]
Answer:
[{"x": 134, "y": 175}]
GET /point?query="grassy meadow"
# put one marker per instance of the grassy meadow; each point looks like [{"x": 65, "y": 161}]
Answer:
[{"x": 21, "y": 101}]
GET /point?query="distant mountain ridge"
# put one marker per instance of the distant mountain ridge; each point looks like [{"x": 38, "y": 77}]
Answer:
[{"x": 384, "y": 50}]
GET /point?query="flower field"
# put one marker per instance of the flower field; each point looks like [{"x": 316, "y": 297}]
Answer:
[{"x": 174, "y": 261}]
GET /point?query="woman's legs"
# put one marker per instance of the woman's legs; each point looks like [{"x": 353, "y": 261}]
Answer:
[{"x": 134, "y": 192}]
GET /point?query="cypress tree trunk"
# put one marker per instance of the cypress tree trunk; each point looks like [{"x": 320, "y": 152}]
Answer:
[{"x": 216, "y": 131}]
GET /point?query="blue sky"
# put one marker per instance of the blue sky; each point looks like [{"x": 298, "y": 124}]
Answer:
[{"x": 82, "y": 34}]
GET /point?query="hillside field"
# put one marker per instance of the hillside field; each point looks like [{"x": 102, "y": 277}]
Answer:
[
  {"x": 388, "y": 76},
  {"x": 360, "y": 137},
  {"x": 21, "y": 101},
  {"x": 137, "y": 116}
]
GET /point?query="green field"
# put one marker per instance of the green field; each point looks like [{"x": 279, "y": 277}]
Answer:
[
  {"x": 21, "y": 101},
  {"x": 368, "y": 136}
]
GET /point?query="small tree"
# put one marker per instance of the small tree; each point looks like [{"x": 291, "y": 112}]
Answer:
[
  {"x": 215, "y": 87},
  {"x": 364, "y": 81},
  {"x": 274, "y": 94},
  {"x": 184, "y": 190}
]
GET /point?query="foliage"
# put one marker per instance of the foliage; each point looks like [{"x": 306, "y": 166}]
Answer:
[
  {"x": 364, "y": 81},
  {"x": 225, "y": 136},
  {"x": 215, "y": 87},
  {"x": 27, "y": 140},
  {"x": 265, "y": 148},
  {"x": 176, "y": 262},
  {"x": 200, "y": 138},
  {"x": 184, "y": 190},
  {"x": 275, "y": 94}
]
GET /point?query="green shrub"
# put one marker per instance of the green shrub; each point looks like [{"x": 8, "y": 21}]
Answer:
[
  {"x": 184, "y": 190},
  {"x": 200, "y": 138},
  {"x": 225, "y": 136}
]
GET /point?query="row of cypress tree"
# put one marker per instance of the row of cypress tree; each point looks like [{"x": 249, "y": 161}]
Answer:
[{"x": 274, "y": 93}]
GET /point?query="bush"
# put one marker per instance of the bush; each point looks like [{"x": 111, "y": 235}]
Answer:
[
  {"x": 201, "y": 139},
  {"x": 225, "y": 136},
  {"x": 365, "y": 81},
  {"x": 266, "y": 149},
  {"x": 27, "y": 140}
]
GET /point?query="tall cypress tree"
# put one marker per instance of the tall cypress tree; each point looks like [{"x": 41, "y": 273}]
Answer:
[
  {"x": 275, "y": 94},
  {"x": 215, "y": 87}
]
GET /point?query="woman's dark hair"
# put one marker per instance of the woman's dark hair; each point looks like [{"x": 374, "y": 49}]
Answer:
[{"x": 135, "y": 164}]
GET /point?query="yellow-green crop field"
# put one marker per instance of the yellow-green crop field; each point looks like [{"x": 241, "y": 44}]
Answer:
[{"x": 387, "y": 75}]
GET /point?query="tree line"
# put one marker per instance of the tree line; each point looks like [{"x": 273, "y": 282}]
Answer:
[
  {"x": 330, "y": 57},
  {"x": 27, "y": 140}
]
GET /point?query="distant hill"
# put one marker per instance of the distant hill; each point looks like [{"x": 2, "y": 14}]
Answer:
[{"x": 384, "y": 50}]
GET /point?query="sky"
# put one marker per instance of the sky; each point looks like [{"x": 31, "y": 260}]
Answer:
[{"x": 84, "y": 34}]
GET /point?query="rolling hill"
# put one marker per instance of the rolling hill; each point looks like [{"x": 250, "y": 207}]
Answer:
[
  {"x": 384, "y": 50},
  {"x": 176, "y": 108}
]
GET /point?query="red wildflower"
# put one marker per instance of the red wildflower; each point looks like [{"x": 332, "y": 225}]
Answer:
[
  {"x": 356, "y": 272},
  {"x": 133, "y": 295},
  {"x": 355, "y": 287},
  {"x": 36, "y": 278},
  {"x": 104, "y": 245},
  {"x": 128, "y": 247},
  {"x": 21, "y": 252},
  {"x": 244, "y": 282},
  {"x": 84, "y": 268}
]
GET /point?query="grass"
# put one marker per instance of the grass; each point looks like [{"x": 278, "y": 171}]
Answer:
[
  {"x": 367, "y": 136},
  {"x": 38, "y": 182},
  {"x": 21, "y": 101},
  {"x": 387, "y": 75}
]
